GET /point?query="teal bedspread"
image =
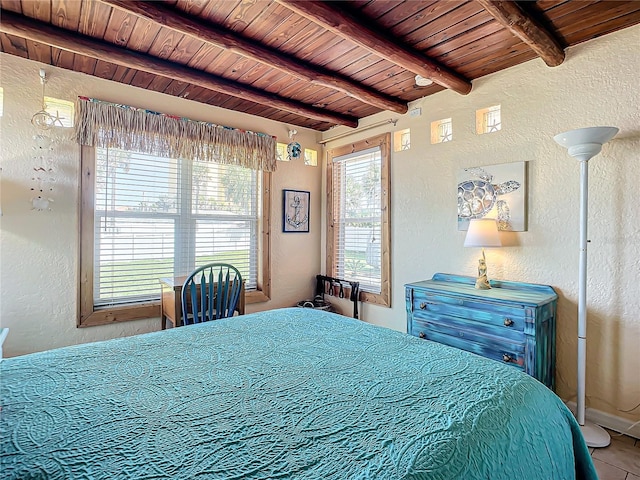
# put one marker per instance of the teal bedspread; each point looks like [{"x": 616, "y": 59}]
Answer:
[{"x": 284, "y": 394}]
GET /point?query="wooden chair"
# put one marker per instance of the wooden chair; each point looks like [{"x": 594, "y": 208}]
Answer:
[{"x": 211, "y": 292}]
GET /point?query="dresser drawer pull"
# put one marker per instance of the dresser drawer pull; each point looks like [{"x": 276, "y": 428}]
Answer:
[
  {"x": 506, "y": 357},
  {"x": 423, "y": 305},
  {"x": 422, "y": 335},
  {"x": 508, "y": 322}
]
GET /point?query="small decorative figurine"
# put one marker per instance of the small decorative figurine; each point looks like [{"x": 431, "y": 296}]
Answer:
[{"x": 482, "y": 282}]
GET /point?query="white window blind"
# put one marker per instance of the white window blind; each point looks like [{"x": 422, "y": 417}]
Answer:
[
  {"x": 357, "y": 218},
  {"x": 160, "y": 217}
]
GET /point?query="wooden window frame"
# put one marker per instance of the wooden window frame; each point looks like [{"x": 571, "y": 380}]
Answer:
[
  {"x": 384, "y": 142},
  {"x": 88, "y": 315}
]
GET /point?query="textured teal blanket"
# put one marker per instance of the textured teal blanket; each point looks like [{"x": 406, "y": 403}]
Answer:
[{"x": 286, "y": 394}]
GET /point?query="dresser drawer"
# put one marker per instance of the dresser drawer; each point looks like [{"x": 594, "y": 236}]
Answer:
[
  {"x": 467, "y": 334},
  {"x": 512, "y": 355},
  {"x": 505, "y": 317},
  {"x": 467, "y": 328}
]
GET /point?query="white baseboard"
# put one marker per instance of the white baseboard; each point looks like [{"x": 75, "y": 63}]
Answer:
[{"x": 607, "y": 420}]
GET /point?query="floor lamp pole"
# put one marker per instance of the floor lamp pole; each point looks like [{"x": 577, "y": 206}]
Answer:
[
  {"x": 582, "y": 291},
  {"x": 583, "y": 144}
]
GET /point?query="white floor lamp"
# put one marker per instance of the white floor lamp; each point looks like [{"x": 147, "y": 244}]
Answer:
[{"x": 583, "y": 144}]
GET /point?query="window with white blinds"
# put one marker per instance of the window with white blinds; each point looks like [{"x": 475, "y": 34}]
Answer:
[
  {"x": 159, "y": 217},
  {"x": 357, "y": 217},
  {"x": 358, "y": 236}
]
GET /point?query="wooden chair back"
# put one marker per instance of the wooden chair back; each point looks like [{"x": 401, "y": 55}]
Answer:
[{"x": 211, "y": 292}]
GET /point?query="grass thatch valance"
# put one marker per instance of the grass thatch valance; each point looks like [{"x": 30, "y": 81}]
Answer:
[{"x": 105, "y": 124}]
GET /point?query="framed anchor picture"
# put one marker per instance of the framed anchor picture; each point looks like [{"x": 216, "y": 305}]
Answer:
[{"x": 295, "y": 211}]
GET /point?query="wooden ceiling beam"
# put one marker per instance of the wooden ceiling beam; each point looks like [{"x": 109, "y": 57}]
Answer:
[
  {"x": 522, "y": 25},
  {"x": 346, "y": 25},
  {"x": 231, "y": 41},
  {"x": 44, "y": 33}
]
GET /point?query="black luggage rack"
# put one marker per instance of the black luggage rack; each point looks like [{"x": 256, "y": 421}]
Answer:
[{"x": 329, "y": 285}]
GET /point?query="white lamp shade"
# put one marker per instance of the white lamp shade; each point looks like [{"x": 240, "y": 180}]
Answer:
[
  {"x": 483, "y": 232},
  {"x": 581, "y": 136},
  {"x": 584, "y": 143}
]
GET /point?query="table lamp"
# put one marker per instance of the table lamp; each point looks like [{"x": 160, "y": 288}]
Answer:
[{"x": 483, "y": 232}]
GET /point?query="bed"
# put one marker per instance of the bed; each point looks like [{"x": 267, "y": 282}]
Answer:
[{"x": 288, "y": 394}]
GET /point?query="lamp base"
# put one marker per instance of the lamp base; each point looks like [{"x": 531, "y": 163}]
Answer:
[
  {"x": 594, "y": 435},
  {"x": 482, "y": 282}
]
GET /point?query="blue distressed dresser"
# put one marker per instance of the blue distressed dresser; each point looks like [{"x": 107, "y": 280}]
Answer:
[{"x": 512, "y": 322}]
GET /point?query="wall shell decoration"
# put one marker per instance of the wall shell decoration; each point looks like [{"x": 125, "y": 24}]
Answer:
[
  {"x": 294, "y": 149},
  {"x": 494, "y": 191}
]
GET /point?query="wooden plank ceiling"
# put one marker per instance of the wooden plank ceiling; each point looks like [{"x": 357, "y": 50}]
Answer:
[{"x": 308, "y": 63}]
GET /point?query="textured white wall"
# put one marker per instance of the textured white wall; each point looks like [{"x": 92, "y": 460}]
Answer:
[
  {"x": 596, "y": 85},
  {"x": 39, "y": 250}
]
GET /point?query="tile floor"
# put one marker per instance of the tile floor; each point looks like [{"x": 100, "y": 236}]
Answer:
[{"x": 620, "y": 460}]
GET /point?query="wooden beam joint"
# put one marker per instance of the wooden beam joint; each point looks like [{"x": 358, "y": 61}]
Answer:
[{"x": 522, "y": 25}]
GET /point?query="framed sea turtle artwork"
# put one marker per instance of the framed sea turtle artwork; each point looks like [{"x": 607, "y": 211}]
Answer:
[{"x": 494, "y": 191}]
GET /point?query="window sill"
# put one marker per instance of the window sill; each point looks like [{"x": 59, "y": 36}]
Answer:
[{"x": 107, "y": 316}]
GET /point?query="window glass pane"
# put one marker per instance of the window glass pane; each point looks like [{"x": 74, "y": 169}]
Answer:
[
  {"x": 441, "y": 131},
  {"x": 229, "y": 241},
  {"x": 223, "y": 189},
  {"x": 310, "y": 157},
  {"x": 130, "y": 255},
  {"x": 159, "y": 217},
  {"x": 281, "y": 152},
  {"x": 133, "y": 182},
  {"x": 358, "y": 218},
  {"x": 444, "y": 131},
  {"x": 488, "y": 120},
  {"x": 63, "y": 110},
  {"x": 402, "y": 140}
]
